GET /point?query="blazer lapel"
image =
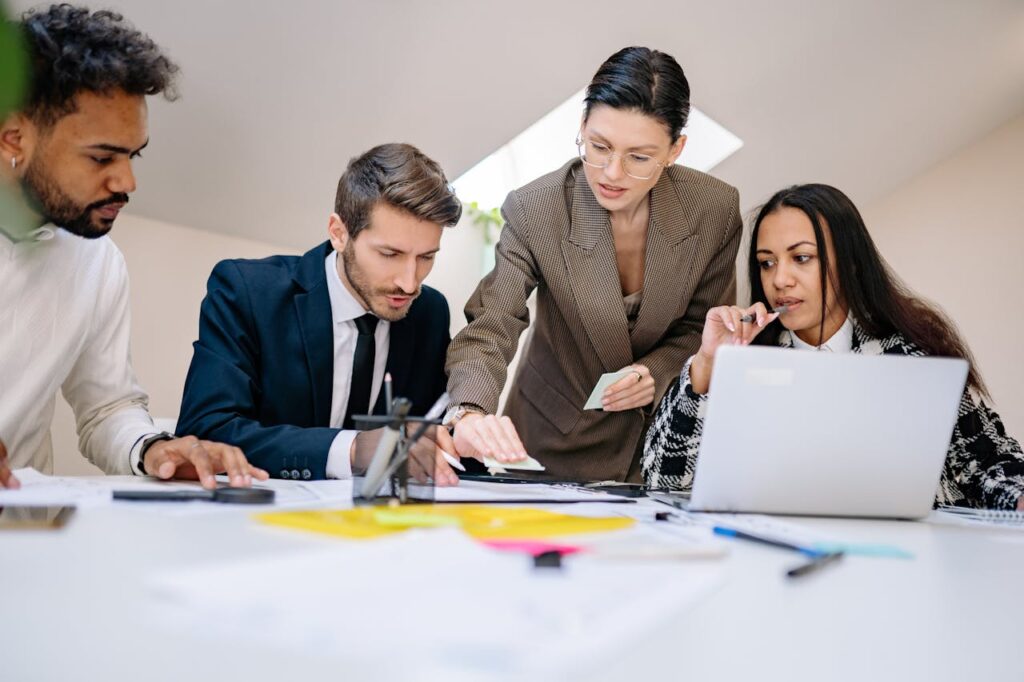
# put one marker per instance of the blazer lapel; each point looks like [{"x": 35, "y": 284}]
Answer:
[
  {"x": 668, "y": 259},
  {"x": 589, "y": 254},
  {"x": 313, "y": 309}
]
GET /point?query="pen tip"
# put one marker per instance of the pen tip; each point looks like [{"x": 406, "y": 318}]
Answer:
[{"x": 387, "y": 376}]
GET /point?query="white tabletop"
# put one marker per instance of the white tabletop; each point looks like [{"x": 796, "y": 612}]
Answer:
[{"x": 79, "y": 604}]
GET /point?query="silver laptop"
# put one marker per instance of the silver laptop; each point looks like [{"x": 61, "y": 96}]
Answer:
[{"x": 804, "y": 432}]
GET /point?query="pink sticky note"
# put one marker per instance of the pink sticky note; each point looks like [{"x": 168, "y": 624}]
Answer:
[{"x": 532, "y": 547}]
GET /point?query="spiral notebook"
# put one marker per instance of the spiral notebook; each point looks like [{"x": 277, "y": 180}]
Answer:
[{"x": 984, "y": 517}]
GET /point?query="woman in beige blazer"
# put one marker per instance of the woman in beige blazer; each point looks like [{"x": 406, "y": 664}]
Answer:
[{"x": 627, "y": 252}]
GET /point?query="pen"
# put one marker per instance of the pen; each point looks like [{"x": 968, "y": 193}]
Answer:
[
  {"x": 453, "y": 460},
  {"x": 387, "y": 391},
  {"x": 750, "y": 317},
  {"x": 814, "y": 564},
  {"x": 733, "y": 533}
]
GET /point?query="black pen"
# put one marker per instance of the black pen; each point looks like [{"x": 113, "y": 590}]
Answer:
[
  {"x": 814, "y": 564},
  {"x": 750, "y": 317}
]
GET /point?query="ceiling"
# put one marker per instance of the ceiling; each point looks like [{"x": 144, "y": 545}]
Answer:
[{"x": 276, "y": 97}]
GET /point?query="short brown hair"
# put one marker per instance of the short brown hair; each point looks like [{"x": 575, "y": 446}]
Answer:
[{"x": 402, "y": 177}]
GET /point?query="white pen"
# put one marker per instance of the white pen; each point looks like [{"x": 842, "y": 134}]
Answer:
[
  {"x": 453, "y": 460},
  {"x": 751, "y": 317}
]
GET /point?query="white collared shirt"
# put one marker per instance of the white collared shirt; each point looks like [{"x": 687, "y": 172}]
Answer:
[
  {"x": 840, "y": 342},
  {"x": 65, "y": 324},
  {"x": 344, "y": 311}
]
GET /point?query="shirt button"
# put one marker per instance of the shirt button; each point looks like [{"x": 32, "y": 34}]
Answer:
[
  {"x": 285, "y": 473},
  {"x": 295, "y": 474},
  {"x": 306, "y": 474}
]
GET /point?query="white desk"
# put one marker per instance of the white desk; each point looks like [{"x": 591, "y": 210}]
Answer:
[{"x": 76, "y": 605}]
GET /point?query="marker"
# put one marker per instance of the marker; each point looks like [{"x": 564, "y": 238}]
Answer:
[
  {"x": 814, "y": 564},
  {"x": 750, "y": 317}
]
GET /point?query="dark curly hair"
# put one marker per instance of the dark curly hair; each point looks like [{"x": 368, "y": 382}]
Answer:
[{"x": 72, "y": 49}]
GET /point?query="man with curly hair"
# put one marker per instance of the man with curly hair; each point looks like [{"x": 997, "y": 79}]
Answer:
[{"x": 64, "y": 304}]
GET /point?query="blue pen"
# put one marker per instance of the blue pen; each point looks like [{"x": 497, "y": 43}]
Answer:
[{"x": 733, "y": 533}]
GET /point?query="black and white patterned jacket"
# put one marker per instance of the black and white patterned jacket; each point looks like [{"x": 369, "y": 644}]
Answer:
[{"x": 984, "y": 466}]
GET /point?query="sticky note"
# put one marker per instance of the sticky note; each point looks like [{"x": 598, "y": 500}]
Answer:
[{"x": 606, "y": 380}]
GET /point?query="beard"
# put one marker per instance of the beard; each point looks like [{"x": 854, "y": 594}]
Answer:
[
  {"x": 45, "y": 197},
  {"x": 360, "y": 283}
]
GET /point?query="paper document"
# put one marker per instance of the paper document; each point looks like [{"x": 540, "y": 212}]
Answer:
[
  {"x": 38, "y": 490},
  {"x": 486, "y": 491},
  {"x": 459, "y": 610},
  {"x": 86, "y": 491},
  {"x": 606, "y": 380},
  {"x": 787, "y": 531}
]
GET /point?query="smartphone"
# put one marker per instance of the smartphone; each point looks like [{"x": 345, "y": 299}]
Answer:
[{"x": 34, "y": 518}]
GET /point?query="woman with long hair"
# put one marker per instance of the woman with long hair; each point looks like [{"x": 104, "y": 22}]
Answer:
[{"x": 811, "y": 253}]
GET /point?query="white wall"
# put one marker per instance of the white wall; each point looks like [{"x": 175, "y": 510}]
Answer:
[
  {"x": 168, "y": 266},
  {"x": 956, "y": 235}
]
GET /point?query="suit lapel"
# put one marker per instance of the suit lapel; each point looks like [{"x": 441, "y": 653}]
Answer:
[
  {"x": 589, "y": 254},
  {"x": 313, "y": 309},
  {"x": 668, "y": 258}
]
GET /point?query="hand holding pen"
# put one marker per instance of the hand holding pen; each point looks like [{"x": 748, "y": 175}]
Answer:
[{"x": 727, "y": 325}]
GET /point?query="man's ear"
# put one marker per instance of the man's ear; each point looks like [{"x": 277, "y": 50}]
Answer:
[
  {"x": 17, "y": 138},
  {"x": 337, "y": 232}
]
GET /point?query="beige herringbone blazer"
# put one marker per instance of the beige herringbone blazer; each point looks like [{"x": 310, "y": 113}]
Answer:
[{"x": 557, "y": 239}]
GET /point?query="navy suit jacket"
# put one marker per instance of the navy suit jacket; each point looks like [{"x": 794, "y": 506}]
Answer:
[{"x": 263, "y": 368}]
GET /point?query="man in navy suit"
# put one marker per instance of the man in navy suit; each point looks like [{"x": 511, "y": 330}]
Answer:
[{"x": 291, "y": 347}]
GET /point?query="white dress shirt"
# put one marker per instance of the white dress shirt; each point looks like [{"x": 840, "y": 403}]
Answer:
[
  {"x": 840, "y": 342},
  {"x": 64, "y": 324},
  {"x": 344, "y": 311}
]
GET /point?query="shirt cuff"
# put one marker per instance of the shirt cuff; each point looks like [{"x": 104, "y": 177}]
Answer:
[
  {"x": 135, "y": 454},
  {"x": 339, "y": 457}
]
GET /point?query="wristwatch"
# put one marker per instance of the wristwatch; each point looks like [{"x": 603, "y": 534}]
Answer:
[
  {"x": 155, "y": 438},
  {"x": 457, "y": 412}
]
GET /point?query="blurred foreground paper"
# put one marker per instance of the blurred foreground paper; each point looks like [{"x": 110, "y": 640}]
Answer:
[{"x": 431, "y": 604}]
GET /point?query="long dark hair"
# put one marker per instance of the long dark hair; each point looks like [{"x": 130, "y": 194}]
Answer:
[
  {"x": 644, "y": 80},
  {"x": 877, "y": 299}
]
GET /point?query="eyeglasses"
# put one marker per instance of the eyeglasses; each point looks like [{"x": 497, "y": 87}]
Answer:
[{"x": 636, "y": 166}]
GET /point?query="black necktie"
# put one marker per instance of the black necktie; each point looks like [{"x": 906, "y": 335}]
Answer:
[{"x": 362, "y": 369}]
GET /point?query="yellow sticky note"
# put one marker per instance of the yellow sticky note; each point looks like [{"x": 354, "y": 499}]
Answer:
[{"x": 482, "y": 522}]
